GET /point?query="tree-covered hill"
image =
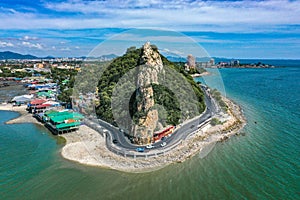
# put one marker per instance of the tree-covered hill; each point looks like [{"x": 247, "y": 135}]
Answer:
[{"x": 173, "y": 106}]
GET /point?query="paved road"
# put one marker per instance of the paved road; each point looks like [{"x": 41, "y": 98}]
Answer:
[
  {"x": 192, "y": 125},
  {"x": 179, "y": 134}
]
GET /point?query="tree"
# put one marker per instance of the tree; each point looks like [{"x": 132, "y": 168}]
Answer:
[{"x": 215, "y": 121}]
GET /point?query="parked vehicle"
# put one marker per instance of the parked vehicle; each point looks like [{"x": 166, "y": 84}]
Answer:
[
  {"x": 140, "y": 149},
  {"x": 115, "y": 141},
  {"x": 163, "y": 144},
  {"x": 150, "y": 146}
]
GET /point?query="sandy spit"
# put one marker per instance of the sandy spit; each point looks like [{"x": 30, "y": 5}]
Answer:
[
  {"x": 202, "y": 74},
  {"x": 86, "y": 146}
]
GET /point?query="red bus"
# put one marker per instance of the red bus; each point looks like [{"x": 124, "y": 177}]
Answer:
[{"x": 158, "y": 135}]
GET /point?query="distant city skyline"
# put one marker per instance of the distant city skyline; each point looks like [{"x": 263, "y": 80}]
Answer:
[{"x": 231, "y": 29}]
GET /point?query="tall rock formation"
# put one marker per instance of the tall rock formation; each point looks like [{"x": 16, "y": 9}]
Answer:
[{"x": 149, "y": 67}]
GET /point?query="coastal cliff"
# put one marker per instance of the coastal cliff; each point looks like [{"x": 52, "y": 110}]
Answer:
[{"x": 150, "y": 66}]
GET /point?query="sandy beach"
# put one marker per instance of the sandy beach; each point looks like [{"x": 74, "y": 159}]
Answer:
[
  {"x": 24, "y": 117},
  {"x": 86, "y": 146},
  {"x": 202, "y": 74}
]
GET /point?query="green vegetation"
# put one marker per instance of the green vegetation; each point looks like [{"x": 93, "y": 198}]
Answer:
[
  {"x": 217, "y": 96},
  {"x": 16, "y": 74},
  {"x": 170, "y": 111},
  {"x": 6, "y": 72},
  {"x": 162, "y": 95},
  {"x": 215, "y": 121},
  {"x": 65, "y": 79},
  {"x": 200, "y": 104},
  {"x": 110, "y": 78},
  {"x": 20, "y": 71}
]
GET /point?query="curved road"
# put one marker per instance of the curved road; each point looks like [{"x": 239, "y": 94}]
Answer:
[{"x": 179, "y": 134}]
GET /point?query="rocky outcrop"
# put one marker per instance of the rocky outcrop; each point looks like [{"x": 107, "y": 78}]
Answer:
[{"x": 150, "y": 66}]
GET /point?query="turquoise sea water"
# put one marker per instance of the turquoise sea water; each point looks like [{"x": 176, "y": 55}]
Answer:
[{"x": 263, "y": 164}]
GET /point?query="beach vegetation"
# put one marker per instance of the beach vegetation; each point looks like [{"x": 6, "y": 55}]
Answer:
[
  {"x": 218, "y": 97},
  {"x": 215, "y": 121}
]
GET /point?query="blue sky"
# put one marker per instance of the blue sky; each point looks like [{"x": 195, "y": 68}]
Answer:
[{"x": 232, "y": 29}]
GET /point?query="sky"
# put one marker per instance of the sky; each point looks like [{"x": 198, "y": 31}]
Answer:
[{"x": 231, "y": 29}]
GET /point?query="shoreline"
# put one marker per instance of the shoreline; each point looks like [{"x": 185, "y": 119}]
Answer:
[
  {"x": 88, "y": 147},
  {"x": 24, "y": 117},
  {"x": 202, "y": 74}
]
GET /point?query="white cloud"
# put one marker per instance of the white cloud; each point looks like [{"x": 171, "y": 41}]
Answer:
[
  {"x": 145, "y": 35},
  {"x": 26, "y": 38},
  {"x": 175, "y": 52},
  {"x": 206, "y": 39},
  {"x": 175, "y": 37},
  {"x": 169, "y": 43},
  {"x": 8, "y": 10},
  {"x": 221, "y": 16},
  {"x": 181, "y": 11},
  {"x": 6, "y": 44},
  {"x": 32, "y": 45}
]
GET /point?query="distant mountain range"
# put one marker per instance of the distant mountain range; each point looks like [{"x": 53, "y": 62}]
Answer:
[
  {"x": 12, "y": 55},
  {"x": 103, "y": 57},
  {"x": 6, "y": 55}
]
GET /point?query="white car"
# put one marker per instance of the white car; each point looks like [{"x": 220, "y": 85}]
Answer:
[
  {"x": 105, "y": 131},
  {"x": 149, "y": 146},
  {"x": 163, "y": 144}
]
